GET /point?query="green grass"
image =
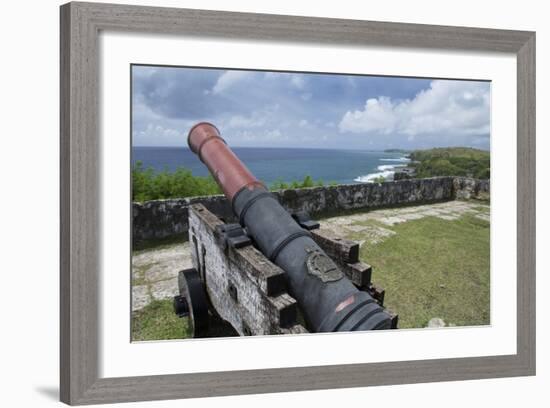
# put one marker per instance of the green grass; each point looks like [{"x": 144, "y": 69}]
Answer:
[
  {"x": 485, "y": 209},
  {"x": 434, "y": 268},
  {"x": 157, "y": 321},
  {"x": 138, "y": 276}
]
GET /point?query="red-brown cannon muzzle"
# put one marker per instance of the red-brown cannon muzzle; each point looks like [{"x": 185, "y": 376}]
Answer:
[{"x": 231, "y": 174}]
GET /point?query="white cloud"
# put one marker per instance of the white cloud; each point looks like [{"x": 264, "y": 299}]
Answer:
[
  {"x": 143, "y": 72},
  {"x": 228, "y": 79},
  {"x": 256, "y": 119},
  {"x": 273, "y": 135},
  {"x": 260, "y": 136},
  {"x": 158, "y": 133},
  {"x": 297, "y": 81},
  {"x": 239, "y": 121},
  {"x": 447, "y": 107}
]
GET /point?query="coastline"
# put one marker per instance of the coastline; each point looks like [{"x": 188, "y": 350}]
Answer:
[
  {"x": 387, "y": 171},
  {"x": 273, "y": 165}
]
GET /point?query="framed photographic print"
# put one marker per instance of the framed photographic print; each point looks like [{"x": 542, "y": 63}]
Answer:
[{"x": 257, "y": 203}]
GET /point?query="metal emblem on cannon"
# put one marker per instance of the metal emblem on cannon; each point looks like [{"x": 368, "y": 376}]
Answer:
[{"x": 260, "y": 274}]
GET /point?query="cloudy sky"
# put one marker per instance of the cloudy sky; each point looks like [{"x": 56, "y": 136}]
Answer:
[{"x": 267, "y": 109}]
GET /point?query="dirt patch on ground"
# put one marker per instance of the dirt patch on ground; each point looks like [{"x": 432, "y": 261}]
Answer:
[
  {"x": 370, "y": 226},
  {"x": 155, "y": 271}
]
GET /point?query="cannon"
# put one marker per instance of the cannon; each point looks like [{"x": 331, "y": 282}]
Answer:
[{"x": 328, "y": 299}]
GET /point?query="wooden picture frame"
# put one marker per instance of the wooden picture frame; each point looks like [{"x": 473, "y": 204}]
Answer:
[{"x": 81, "y": 24}]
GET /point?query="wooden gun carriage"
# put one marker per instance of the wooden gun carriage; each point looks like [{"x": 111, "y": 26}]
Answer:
[{"x": 232, "y": 283}]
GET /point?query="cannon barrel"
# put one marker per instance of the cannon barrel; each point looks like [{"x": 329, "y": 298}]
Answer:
[{"x": 329, "y": 300}]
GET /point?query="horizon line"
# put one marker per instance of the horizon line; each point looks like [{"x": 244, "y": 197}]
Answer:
[{"x": 329, "y": 148}]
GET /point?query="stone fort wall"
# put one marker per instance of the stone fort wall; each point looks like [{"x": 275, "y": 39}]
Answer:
[{"x": 160, "y": 219}]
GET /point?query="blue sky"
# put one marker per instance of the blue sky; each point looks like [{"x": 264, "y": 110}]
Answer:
[{"x": 268, "y": 109}]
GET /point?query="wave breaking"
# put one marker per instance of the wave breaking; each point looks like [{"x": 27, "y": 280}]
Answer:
[{"x": 384, "y": 170}]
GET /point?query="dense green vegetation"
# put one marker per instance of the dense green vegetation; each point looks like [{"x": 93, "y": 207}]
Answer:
[
  {"x": 306, "y": 182},
  {"x": 451, "y": 161},
  {"x": 150, "y": 185},
  {"x": 379, "y": 179}
]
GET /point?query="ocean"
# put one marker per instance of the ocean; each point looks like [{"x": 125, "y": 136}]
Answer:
[{"x": 286, "y": 164}]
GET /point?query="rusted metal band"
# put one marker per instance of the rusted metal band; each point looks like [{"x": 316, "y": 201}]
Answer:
[{"x": 202, "y": 124}]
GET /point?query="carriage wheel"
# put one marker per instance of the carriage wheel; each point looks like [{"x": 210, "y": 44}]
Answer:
[{"x": 192, "y": 302}]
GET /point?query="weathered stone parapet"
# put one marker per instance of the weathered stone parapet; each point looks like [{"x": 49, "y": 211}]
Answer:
[
  {"x": 158, "y": 219},
  {"x": 366, "y": 195},
  {"x": 468, "y": 188},
  {"x": 165, "y": 218}
]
